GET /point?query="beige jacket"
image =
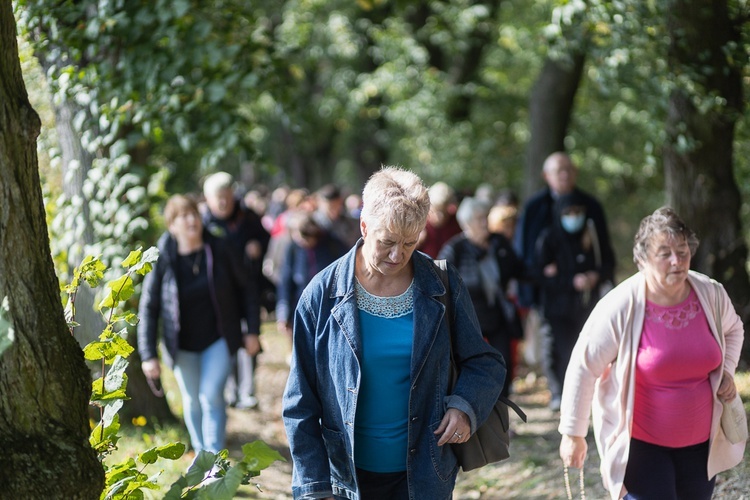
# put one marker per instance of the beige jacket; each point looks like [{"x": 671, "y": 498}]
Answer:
[{"x": 602, "y": 371}]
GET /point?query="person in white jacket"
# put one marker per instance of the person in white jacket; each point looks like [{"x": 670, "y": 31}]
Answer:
[{"x": 653, "y": 364}]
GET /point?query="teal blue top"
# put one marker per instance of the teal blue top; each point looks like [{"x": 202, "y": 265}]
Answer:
[{"x": 381, "y": 422}]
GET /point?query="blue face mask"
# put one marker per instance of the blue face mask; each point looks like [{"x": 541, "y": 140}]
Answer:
[{"x": 573, "y": 223}]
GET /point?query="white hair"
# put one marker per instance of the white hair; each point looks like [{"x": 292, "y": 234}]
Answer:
[{"x": 216, "y": 182}]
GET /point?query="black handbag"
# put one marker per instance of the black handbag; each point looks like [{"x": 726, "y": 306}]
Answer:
[{"x": 491, "y": 442}]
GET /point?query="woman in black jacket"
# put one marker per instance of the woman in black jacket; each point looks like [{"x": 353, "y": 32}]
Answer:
[
  {"x": 486, "y": 264},
  {"x": 198, "y": 292}
]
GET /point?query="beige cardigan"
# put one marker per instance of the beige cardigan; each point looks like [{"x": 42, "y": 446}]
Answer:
[{"x": 602, "y": 370}]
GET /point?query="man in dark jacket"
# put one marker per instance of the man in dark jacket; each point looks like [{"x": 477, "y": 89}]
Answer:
[
  {"x": 560, "y": 174},
  {"x": 225, "y": 216}
]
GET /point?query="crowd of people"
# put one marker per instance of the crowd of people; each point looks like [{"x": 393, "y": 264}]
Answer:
[{"x": 350, "y": 279}]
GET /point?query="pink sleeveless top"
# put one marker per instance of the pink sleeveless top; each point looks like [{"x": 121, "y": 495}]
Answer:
[{"x": 673, "y": 397}]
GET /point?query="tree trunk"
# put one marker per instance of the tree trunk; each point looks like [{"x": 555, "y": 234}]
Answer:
[
  {"x": 44, "y": 382},
  {"x": 698, "y": 156},
  {"x": 551, "y": 106}
]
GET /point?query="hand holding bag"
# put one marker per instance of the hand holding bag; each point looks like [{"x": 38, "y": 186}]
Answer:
[
  {"x": 491, "y": 442},
  {"x": 733, "y": 416}
]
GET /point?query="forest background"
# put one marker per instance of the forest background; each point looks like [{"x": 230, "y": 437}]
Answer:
[{"x": 142, "y": 99}]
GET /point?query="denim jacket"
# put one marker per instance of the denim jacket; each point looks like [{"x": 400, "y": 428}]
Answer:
[{"x": 320, "y": 398}]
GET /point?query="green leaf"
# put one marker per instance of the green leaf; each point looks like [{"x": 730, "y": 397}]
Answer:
[
  {"x": 108, "y": 349},
  {"x": 225, "y": 487},
  {"x": 131, "y": 318},
  {"x": 175, "y": 491},
  {"x": 92, "y": 270},
  {"x": 110, "y": 412},
  {"x": 202, "y": 463},
  {"x": 132, "y": 259},
  {"x": 149, "y": 456},
  {"x": 100, "y": 440},
  {"x": 121, "y": 289},
  {"x": 115, "y": 378},
  {"x": 171, "y": 451},
  {"x": 258, "y": 455},
  {"x": 7, "y": 333},
  {"x": 117, "y": 472}
]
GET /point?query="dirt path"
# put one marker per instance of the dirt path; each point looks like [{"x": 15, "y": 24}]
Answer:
[{"x": 534, "y": 471}]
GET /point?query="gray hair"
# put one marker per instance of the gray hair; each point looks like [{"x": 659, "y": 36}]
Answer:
[
  {"x": 664, "y": 220},
  {"x": 395, "y": 199},
  {"x": 469, "y": 208},
  {"x": 216, "y": 182}
]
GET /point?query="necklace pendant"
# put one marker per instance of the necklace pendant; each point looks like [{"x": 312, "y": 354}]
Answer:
[{"x": 197, "y": 263}]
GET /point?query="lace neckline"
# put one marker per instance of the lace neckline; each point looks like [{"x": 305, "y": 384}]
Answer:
[
  {"x": 677, "y": 316},
  {"x": 385, "y": 307}
]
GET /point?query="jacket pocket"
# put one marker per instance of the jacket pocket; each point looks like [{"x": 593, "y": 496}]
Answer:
[{"x": 443, "y": 460}]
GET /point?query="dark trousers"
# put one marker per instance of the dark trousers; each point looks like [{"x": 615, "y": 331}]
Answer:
[
  {"x": 559, "y": 336},
  {"x": 382, "y": 485},
  {"x": 661, "y": 473}
]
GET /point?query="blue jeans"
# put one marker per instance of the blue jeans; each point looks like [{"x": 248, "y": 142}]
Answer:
[{"x": 201, "y": 377}]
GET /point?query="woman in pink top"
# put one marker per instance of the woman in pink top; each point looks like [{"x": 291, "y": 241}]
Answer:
[{"x": 651, "y": 368}]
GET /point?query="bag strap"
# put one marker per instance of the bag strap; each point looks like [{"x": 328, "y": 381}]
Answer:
[{"x": 442, "y": 270}]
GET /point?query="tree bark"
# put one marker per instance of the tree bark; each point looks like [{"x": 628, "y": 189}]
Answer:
[
  {"x": 698, "y": 156},
  {"x": 44, "y": 382},
  {"x": 551, "y": 106}
]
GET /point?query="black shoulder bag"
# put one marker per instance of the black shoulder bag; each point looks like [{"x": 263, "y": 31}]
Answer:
[{"x": 491, "y": 442}]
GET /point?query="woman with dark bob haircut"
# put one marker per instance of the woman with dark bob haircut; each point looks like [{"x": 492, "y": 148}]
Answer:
[{"x": 654, "y": 362}]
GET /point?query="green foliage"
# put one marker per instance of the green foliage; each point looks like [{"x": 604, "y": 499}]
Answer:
[
  {"x": 306, "y": 92},
  {"x": 211, "y": 476},
  {"x": 7, "y": 334}
]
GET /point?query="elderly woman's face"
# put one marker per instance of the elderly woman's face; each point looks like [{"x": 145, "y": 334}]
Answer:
[
  {"x": 386, "y": 252},
  {"x": 668, "y": 260},
  {"x": 477, "y": 228}
]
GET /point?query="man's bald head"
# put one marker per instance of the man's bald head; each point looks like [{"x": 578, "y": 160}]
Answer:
[{"x": 559, "y": 173}]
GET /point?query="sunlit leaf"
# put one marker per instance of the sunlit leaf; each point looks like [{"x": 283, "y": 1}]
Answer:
[{"x": 7, "y": 333}]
